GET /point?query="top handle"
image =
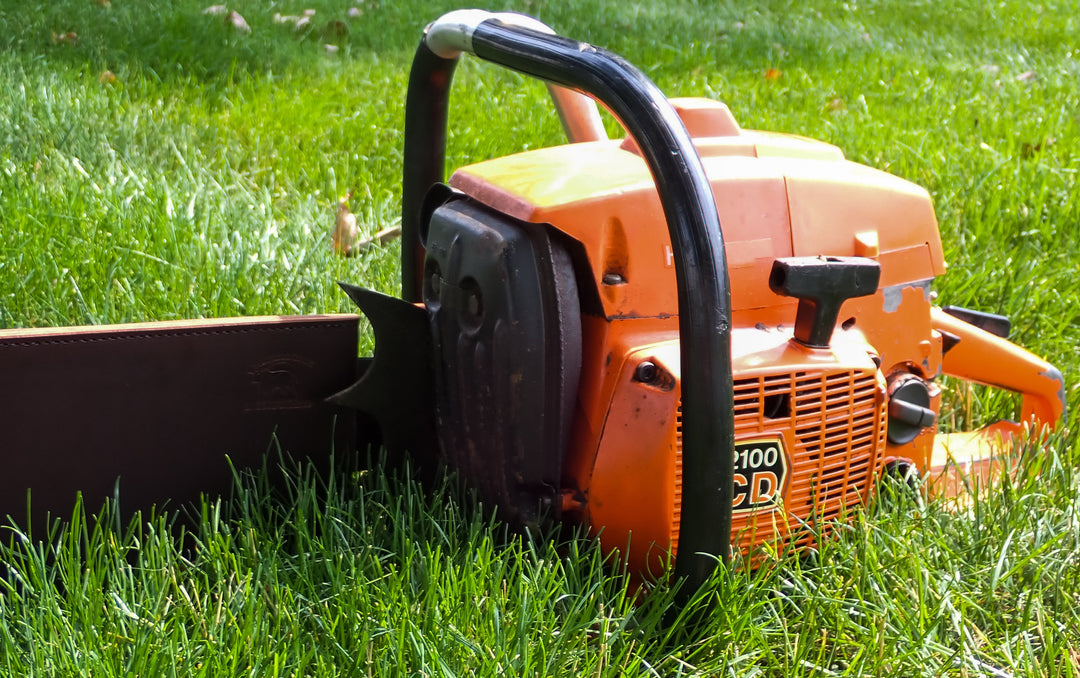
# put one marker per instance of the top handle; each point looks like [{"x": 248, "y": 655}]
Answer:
[
  {"x": 451, "y": 35},
  {"x": 704, "y": 297}
]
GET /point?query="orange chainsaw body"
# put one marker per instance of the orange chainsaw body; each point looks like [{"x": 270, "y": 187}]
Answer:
[{"x": 811, "y": 424}]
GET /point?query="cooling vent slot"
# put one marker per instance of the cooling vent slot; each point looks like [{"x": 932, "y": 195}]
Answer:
[{"x": 838, "y": 419}]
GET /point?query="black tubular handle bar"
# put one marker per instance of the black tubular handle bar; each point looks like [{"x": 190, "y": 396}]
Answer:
[{"x": 686, "y": 196}]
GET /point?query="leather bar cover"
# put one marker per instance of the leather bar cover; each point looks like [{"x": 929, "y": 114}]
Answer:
[{"x": 154, "y": 408}]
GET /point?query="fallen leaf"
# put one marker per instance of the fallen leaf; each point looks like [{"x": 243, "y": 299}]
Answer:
[
  {"x": 381, "y": 238},
  {"x": 772, "y": 74},
  {"x": 236, "y": 21},
  {"x": 345, "y": 230},
  {"x": 335, "y": 29},
  {"x": 1029, "y": 149},
  {"x": 104, "y": 3},
  {"x": 216, "y": 10},
  {"x": 355, "y": 12},
  {"x": 107, "y": 77},
  {"x": 1026, "y": 76},
  {"x": 835, "y": 105},
  {"x": 303, "y": 23},
  {"x": 69, "y": 38}
]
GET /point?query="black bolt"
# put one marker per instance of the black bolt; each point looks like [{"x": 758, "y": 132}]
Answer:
[
  {"x": 646, "y": 372},
  {"x": 433, "y": 286},
  {"x": 473, "y": 304}
]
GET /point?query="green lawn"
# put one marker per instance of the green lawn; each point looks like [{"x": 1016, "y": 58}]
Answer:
[{"x": 199, "y": 179}]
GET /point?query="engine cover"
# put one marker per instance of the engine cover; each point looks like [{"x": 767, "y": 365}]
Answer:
[
  {"x": 810, "y": 427},
  {"x": 506, "y": 326}
]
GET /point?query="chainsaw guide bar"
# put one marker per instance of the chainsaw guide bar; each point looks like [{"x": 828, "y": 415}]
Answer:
[{"x": 154, "y": 409}]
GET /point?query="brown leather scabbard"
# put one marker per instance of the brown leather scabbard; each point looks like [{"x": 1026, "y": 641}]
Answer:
[{"x": 158, "y": 410}]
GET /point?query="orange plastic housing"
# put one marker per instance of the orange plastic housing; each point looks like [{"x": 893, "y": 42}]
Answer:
[{"x": 818, "y": 416}]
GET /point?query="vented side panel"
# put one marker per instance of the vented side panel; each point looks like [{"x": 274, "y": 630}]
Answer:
[{"x": 838, "y": 423}]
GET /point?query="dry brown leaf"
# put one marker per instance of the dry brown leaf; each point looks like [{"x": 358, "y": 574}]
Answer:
[
  {"x": 335, "y": 29},
  {"x": 216, "y": 10},
  {"x": 104, "y": 3},
  {"x": 835, "y": 105},
  {"x": 773, "y": 74},
  {"x": 381, "y": 238},
  {"x": 107, "y": 77},
  {"x": 234, "y": 20},
  {"x": 1028, "y": 149},
  {"x": 69, "y": 38},
  {"x": 345, "y": 230}
]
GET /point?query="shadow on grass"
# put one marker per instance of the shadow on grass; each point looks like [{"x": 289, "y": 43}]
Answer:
[
  {"x": 178, "y": 40},
  {"x": 175, "y": 40}
]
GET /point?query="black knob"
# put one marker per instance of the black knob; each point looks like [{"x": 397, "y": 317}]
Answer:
[{"x": 822, "y": 285}]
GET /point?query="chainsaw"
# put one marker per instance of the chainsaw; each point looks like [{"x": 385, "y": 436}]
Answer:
[{"x": 695, "y": 340}]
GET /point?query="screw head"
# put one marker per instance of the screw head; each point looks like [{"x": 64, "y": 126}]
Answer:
[
  {"x": 473, "y": 304},
  {"x": 646, "y": 372}
]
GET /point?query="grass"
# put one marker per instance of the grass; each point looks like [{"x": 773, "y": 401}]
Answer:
[{"x": 201, "y": 182}]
